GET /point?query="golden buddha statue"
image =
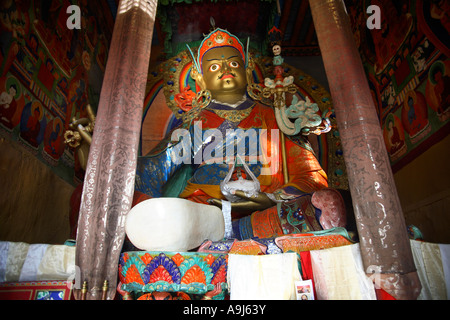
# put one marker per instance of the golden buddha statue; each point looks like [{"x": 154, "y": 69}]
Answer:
[{"x": 188, "y": 167}]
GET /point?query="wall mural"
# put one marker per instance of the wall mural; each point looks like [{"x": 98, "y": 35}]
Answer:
[
  {"x": 49, "y": 73},
  {"x": 408, "y": 66}
]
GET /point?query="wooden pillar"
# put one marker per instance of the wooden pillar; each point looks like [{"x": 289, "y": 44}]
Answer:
[
  {"x": 384, "y": 242},
  {"x": 110, "y": 173}
]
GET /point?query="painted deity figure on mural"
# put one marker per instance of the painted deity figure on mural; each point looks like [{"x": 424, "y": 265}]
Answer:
[
  {"x": 8, "y": 106},
  {"x": 187, "y": 205}
]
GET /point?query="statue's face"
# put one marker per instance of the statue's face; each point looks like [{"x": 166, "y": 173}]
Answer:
[{"x": 224, "y": 72}]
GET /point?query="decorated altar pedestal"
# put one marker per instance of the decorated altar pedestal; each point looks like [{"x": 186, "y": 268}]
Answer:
[
  {"x": 188, "y": 272},
  {"x": 196, "y": 273}
]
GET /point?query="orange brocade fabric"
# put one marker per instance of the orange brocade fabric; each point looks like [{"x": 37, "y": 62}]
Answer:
[
  {"x": 309, "y": 242},
  {"x": 266, "y": 223}
]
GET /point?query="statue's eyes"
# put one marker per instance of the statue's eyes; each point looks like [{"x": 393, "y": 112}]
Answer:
[
  {"x": 234, "y": 64},
  {"x": 214, "y": 67}
]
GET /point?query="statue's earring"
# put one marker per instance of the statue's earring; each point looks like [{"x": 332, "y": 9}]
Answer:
[
  {"x": 202, "y": 99},
  {"x": 255, "y": 91}
]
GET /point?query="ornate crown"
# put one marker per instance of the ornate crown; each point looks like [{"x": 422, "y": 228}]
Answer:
[{"x": 218, "y": 38}]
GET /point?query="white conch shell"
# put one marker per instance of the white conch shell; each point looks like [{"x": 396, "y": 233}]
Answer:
[{"x": 173, "y": 224}]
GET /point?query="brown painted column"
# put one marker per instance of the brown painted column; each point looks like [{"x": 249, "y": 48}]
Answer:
[
  {"x": 110, "y": 173},
  {"x": 384, "y": 242}
]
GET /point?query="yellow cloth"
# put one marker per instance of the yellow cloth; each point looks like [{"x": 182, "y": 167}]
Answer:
[
  {"x": 339, "y": 274},
  {"x": 416, "y": 247},
  {"x": 212, "y": 191},
  {"x": 435, "y": 273},
  {"x": 428, "y": 261},
  {"x": 36, "y": 262},
  {"x": 264, "y": 277},
  {"x": 58, "y": 263}
]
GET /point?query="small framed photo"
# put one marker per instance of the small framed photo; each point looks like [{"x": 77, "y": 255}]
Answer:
[{"x": 304, "y": 290}]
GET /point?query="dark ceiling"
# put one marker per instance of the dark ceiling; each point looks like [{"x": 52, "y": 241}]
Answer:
[
  {"x": 179, "y": 22},
  {"x": 298, "y": 28}
]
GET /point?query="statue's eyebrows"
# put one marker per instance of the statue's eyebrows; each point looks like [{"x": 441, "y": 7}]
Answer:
[{"x": 213, "y": 59}]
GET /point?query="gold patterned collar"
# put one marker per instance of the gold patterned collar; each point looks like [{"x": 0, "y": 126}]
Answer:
[{"x": 230, "y": 113}]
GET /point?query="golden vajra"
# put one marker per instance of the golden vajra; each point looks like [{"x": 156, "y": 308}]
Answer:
[
  {"x": 80, "y": 135},
  {"x": 82, "y": 128}
]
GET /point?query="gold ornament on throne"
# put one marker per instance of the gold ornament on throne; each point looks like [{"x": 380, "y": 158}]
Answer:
[{"x": 79, "y": 135}]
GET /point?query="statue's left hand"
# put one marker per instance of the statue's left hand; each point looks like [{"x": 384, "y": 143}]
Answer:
[{"x": 249, "y": 205}]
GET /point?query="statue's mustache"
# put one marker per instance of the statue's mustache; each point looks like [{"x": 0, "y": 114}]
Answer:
[{"x": 226, "y": 74}]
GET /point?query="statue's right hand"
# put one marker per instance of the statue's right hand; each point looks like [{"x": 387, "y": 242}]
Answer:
[
  {"x": 215, "y": 202},
  {"x": 247, "y": 206},
  {"x": 238, "y": 209}
]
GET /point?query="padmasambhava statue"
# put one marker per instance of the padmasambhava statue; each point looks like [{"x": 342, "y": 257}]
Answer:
[{"x": 223, "y": 142}]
